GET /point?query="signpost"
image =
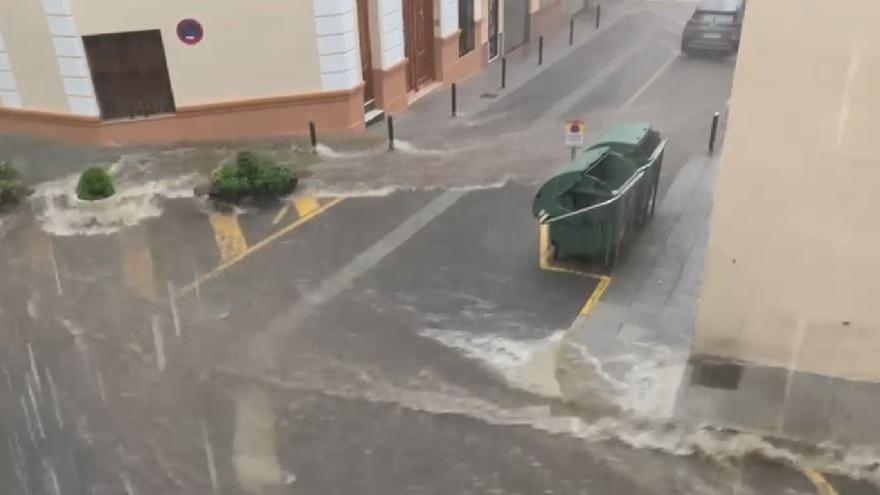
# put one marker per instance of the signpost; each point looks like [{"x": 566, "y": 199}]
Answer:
[{"x": 574, "y": 135}]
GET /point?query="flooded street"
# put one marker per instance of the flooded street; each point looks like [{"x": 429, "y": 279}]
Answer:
[{"x": 391, "y": 327}]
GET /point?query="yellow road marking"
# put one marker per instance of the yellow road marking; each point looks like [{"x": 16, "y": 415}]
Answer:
[
  {"x": 596, "y": 295},
  {"x": 823, "y": 487},
  {"x": 137, "y": 263},
  {"x": 260, "y": 245},
  {"x": 281, "y": 214},
  {"x": 228, "y": 234},
  {"x": 545, "y": 253},
  {"x": 305, "y": 205},
  {"x": 544, "y": 262},
  {"x": 649, "y": 82}
]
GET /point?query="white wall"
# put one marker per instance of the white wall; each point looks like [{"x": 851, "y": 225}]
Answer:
[
  {"x": 338, "y": 55},
  {"x": 30, "y": 54},
  {"x": 9, "y": 95},
  {"x": 793, "y": 272},
  {"x": 70, "y": 54},
  {"x": 391, "y": 32},
  {"x": 448, "y": 17},
  {"x": 250, "y": 50}
]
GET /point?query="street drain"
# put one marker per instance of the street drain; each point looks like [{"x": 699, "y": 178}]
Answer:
[
  {"x": 717, "y": 375},
  {"x": 490, "y": 96}
]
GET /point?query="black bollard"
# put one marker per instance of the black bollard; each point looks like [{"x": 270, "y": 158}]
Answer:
[
  {"x": 571, "y": 32},
  {"x": 503, "y": 72},
  {"x": 598, "y": 14},
  {"x": 454, "y": 100},
  {"x": 390, "y": 133},
  {"x": 313, "y": 136},
  {"x": 713, "y": 132},
  {"x": 540, "y": 50}
]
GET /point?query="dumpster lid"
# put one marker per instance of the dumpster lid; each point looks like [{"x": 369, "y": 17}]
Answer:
[
  {"x": 627, "y": 134},
  {"x": 566, "y": 178}
]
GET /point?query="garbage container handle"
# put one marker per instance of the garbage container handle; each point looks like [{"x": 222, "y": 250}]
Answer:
[{"x": 619, "y": 192}]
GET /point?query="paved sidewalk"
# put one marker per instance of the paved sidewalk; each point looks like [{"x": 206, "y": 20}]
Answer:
[{"x": 632, "y": 349}]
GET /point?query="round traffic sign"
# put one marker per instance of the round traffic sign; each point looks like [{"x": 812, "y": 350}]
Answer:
[{"x": 190, "y": 31}]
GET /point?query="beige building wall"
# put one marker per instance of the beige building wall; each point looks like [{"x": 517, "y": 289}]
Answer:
[
  {"x": 793, "y": 268},
  {"x": 28, "y": 46},
  {"x": 250, "y": 49}
]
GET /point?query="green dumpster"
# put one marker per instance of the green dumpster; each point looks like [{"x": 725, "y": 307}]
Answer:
[{"x": 591, "y": 205}]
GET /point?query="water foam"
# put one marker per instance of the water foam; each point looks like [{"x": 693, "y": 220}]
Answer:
[
  {"x": 325, "y": 151},
  {"x": 526, "y": 364},
  {"x": 681, "y": 440},
  {"x": 645, "y": 394},
  {"x": 410, "y": 148},
  {"x": 316, "y": 187},
  {"x": 139, "y": 196}
]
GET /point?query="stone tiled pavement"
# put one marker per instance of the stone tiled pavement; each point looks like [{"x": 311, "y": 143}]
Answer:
[{"x": 647, "y": 313}]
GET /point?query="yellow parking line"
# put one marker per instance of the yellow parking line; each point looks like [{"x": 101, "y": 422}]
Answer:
[
  {"x": 260, "y": 245},
  {"x": 545, "y": 253},
  {"x": 305, "y": 205},
  {"x": 228, "y": 234},
  {"x": 596, "y": 295},
  {"x": 823, "y": 487}
]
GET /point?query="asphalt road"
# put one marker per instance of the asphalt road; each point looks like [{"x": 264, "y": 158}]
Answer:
[{"x": 388, "y": 332}]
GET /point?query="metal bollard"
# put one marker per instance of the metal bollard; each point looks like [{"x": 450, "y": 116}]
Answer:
[
  {"x": 571, "y": 32},
  {"x": 503, "y": 72},
  {"x": 713, "y": 132},
  {"x": 454, "y": 100},
  {"x": 390, "y": 133},
  {"x": 313, "y": 136},
  {"x": 540, "y": 50},
  {"x": 598, "y": 14}
]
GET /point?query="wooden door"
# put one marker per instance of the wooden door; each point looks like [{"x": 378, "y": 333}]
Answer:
[
  {"x": 130, "y": 74},
  {"x": 418, "y": 25},
  {"x": 366, "y": 55}
]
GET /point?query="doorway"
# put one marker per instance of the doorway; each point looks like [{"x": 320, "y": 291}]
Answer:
[
  {"x": 130, "y": 74},
  {"x": 418, "y": 27},
  {"x": 366, "y": 52},
  {"x": 516, "y": 23},
  {"x": 467, "y": 40},
  {"x": 494, "y": 42}
]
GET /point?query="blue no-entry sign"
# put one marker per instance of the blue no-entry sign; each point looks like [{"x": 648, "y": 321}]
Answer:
[{"x": 190, "y": 31}]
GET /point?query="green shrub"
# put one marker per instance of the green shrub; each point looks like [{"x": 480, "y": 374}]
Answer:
[
  {"x": 251, "y": 176},
  {"x": 229, "y": 184},
  {"x": 12, "y": 188},
  {"x": 275, "y": 180},
  {"x": 248, "y": 164},
  {"x": 94, "y": 184}
]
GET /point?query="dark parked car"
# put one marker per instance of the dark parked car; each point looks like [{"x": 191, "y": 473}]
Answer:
[{"x": 715, "y": 27}]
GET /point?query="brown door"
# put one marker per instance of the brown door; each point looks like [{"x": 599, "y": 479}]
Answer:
[
  {"x": 366, "y": 58},
  {"x": 129, "y": 73},
  {"x": 418, "y": 24}
]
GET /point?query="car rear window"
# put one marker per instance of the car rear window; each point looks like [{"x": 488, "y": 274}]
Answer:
[{"x": 713, "y": 18}]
